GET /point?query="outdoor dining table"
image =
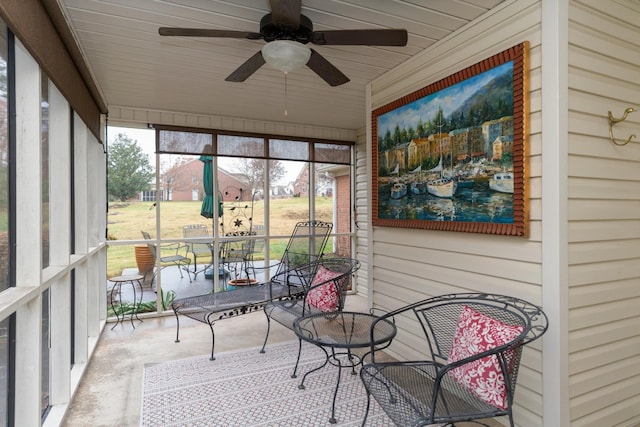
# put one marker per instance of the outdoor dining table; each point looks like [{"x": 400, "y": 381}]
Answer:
[{"x": 337, "y": 333}]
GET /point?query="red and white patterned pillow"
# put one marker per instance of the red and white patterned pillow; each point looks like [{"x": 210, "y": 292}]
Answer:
[
  {"x": 476, "y": 333},
  {"x": 324, "y": 297}
]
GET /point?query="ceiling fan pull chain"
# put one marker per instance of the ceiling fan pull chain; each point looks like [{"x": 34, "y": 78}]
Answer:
[{"x": 285, "y": 95}]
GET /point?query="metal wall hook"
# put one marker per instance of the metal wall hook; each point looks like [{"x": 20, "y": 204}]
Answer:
[{"x": 614, "y": 120}]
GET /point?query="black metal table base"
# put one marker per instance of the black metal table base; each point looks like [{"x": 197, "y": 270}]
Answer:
[
  {"x": 118, "y": 281},
  {"x": 342, "y": 332},
  {"x": 353, "y": 360}
]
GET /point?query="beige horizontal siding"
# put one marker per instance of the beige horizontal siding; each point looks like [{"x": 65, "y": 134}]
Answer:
[{"x": 604, "y": 215}]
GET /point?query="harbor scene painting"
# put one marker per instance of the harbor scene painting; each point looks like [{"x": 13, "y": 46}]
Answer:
[{"x": 451, "y": 156}]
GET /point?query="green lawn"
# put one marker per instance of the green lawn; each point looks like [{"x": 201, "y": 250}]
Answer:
[{"x": 126, "y": 220}]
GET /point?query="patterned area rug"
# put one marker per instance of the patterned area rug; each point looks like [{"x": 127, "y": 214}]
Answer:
[{"x": 246, "y": 388}]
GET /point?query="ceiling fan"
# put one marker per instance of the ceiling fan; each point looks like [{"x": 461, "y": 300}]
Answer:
[{"x": 286, "y": 31}]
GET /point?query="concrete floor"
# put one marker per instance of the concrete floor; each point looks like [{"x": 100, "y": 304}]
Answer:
[{"x": 110, "y": 392}]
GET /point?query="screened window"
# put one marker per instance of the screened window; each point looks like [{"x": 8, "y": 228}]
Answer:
[
  {"x": 4, "y": 370},
  {"x": 4, "y": 161},
  {"x": 5, "y": 259},
  {"x": 291, "y": 150},
  {"x": 240, "y": 146},
  {"x": 215, "y": 186},
  {"x": 44, "y": 148},
  {"x": 184, "y": 142}
]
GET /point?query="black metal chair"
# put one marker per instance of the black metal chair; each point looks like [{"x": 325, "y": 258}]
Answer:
[
  {"x": 474, "y": 344},
  {"x": 305, "y": 246},
  {"x": 320, "y": 286},
  {"x": 236, "y": 255}
]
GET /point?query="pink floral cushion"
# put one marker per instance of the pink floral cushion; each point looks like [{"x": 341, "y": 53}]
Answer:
[
  {"x": 476, "y": 333},
  {"x": 324, "y": 297}
]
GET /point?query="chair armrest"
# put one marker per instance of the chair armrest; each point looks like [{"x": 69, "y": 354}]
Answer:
[
  {"x": 296, "y": 282},
  {"x": 385, "y": 315},
  {"x": 171, "y": 247},
  {"x": 253, "y": 268}
]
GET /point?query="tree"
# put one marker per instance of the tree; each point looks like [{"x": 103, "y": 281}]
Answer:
[
  {"x": 253, "y": 170},
  {"x": 129, "y": 168}
]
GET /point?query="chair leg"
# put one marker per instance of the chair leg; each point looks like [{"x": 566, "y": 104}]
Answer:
[
  {"x": 295, "y": 369},
  {"x": 213, "y": 339},
  {"x": 185, "y": 267},
  {"x": 268, "y": 329},
  {"x": 366, "y": 411},
  {"x": 177, "y": 326}
]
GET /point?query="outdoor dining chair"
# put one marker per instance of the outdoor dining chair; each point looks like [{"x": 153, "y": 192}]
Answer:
[
  {"x": 236, "y": 255},
  {"x": 474, "y": 344},
  {"x": 196, "y": 249},
  {"x": 174, "y": 257}
]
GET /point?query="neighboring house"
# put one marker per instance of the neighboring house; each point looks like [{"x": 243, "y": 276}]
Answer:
[
  {"x": 183, "y": 182},
  {"x": 282, "y": 190}
]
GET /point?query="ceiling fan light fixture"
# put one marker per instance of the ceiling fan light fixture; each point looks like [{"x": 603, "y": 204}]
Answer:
[{"x": 286, "y": 55}]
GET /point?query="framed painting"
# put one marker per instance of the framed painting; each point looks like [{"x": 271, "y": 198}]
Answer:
[{"x": 452, "y": 155}]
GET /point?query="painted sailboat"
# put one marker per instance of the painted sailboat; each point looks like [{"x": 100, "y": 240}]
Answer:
[
  {"x": 444, "y": 187},
  {"x": 418, "y": 184},
  {"x": 502, "y": 182},
  {"x": 398, "y": 189},
  {"x": 441, "y": 187}
]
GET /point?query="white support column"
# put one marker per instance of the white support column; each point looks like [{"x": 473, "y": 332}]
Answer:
[
  {"x": 60, "y": 374},
  {"x": 81, "y": 177},
  {"x": 28, "y": 236},
  {"x": 80, "y": 189},
  {"x": 60, "y": 245},
  {"x": 96, "y": 224},
  {"x": 555, "y": 22},
  {"x": 95, "y": 286},
  {"x": 81, "y": 326}
]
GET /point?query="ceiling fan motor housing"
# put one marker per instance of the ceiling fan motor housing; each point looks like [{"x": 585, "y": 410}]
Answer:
[{"x": 272, "y": 31}]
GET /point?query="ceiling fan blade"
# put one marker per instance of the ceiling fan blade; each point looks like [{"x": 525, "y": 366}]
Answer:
[
  {"x": 204, "y": 32},
  {"x": 286, "y": 13},
  {"x": 390, "y": 37},
  {"x": 326, "y": 70},
  {"x": 244, "y": 71}
]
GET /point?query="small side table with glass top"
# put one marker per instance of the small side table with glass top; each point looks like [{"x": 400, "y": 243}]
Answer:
[
  {"x": 118, "y": 281},
  {"x": 337, "y": 333}
]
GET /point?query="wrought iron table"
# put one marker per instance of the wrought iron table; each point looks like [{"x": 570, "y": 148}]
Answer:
[
  {"x": 341, "y": 332},
  {"x": 118, "y": 281}
]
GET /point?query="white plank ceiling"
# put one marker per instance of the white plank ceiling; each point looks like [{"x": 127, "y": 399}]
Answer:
[{"x": 136, "y": 67}]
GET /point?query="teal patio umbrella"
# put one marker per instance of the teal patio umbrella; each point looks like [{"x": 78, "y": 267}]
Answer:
[{"x": 207, "y": 180}]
